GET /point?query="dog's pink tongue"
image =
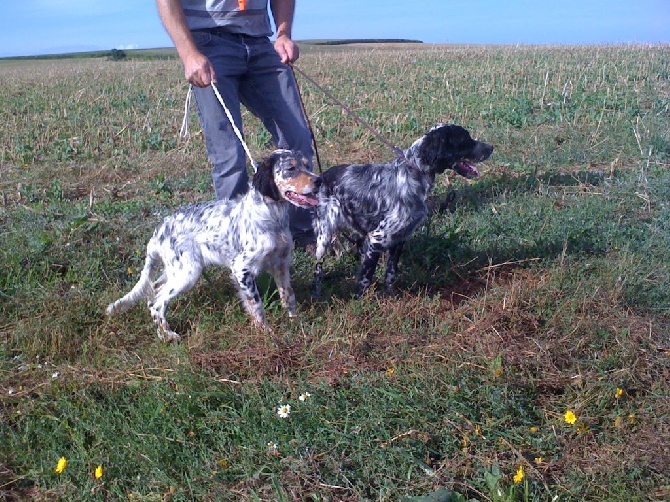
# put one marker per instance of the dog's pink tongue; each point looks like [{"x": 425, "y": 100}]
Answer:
[
  {"x": 466, "y": 169},
  {"x": 303, "y": 200}
]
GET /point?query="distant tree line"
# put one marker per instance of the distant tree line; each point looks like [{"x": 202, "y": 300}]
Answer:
[
  {"x": 367, "y": 41},
  {"x": 170, "y": 53}
]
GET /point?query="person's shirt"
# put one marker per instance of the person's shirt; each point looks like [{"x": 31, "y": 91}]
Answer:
[{"x": 245, "y": 17}]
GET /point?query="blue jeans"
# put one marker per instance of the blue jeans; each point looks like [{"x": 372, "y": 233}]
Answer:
[{"x": 249, "y": 72}]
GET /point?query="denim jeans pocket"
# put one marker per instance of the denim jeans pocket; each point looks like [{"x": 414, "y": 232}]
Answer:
[{"x": 201, "y": 38}]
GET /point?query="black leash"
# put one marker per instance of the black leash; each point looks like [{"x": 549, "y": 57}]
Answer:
[
  {"x": 309, "y": 124},
  {"x": 397, "y": 151}
]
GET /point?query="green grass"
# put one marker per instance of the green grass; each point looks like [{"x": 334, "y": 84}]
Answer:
[{"x": 541, "y": 288}]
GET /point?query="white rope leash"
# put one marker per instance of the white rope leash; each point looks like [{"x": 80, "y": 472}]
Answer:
[
  {"x": 184, "y": 126},
  {"x": 183, "y": 132},
  {"x": 232, "y": 123}
]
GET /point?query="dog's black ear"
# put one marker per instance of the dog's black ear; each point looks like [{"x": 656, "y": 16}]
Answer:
[{"x": 264, "y": 179}]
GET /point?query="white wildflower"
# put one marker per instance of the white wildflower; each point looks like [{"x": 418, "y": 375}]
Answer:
[{"x": 284, "y": 410}]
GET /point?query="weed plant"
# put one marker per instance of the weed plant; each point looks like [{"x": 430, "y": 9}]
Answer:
[{"x": 526, "y": 355}]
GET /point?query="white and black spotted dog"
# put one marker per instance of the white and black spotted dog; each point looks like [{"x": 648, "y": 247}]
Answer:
[
  {"x": 249, "y": 235},
  {"x": 379, "y": 206}
]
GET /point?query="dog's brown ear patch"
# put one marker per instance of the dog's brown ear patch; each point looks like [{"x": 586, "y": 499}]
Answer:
[{"x": 264, "y": 180}]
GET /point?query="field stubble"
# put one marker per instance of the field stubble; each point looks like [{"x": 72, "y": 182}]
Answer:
[{"x": 543, "y": 290}]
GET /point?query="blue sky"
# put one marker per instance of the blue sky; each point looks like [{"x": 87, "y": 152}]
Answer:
[{"x": 57, "y": 26}]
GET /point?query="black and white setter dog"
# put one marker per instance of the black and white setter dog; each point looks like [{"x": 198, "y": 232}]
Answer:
[
  {"x": 248, "y": 235},
  {"x": 379, "y": 206}
]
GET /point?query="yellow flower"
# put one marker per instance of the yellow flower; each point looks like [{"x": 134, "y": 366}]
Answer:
[
  {"x": 618, "y": 392},
  {"x": 539, "y": 460},
  {"x": 61, "y": 465},
  {"x": 98, "y": 472},
  {"x": 570, "y": 417},
  {"x": 518, "y": 477},
  {"x": 534, "y": 428},
  {"x": 390, "y": 371}
]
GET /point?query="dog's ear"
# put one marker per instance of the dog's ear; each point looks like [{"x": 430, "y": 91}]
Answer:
[{"x": 264, "y": 179}]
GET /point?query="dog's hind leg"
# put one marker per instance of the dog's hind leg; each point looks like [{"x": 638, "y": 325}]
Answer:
[
  {"x": 142, "y": 288},
  {"x": 180, "y": 276},
  {"x": 392, "y": 259},
  {"x": 158, "y": 283}
]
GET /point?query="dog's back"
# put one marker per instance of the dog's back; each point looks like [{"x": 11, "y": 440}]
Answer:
[
  {"x": 365, "y": 195},
  {"x": 221, "y": 230}
]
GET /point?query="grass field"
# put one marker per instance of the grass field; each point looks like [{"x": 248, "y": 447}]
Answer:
[{"x": 525, "y": 357}]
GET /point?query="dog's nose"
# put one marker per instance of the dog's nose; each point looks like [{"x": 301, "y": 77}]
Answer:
[{"x": 484, "y": 151}]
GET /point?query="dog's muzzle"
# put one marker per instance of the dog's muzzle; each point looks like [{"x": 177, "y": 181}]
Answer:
[
  {"x": 467, "y": 168},
  {"x": 308, "y": 199}
]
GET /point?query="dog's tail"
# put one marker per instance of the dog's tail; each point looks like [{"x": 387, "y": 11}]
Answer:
[{"x": 143, "y": 289}]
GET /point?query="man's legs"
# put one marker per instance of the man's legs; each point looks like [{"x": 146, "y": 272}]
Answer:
[
  {"x": 249, "y": 70},
  {"x": 228, "y": 56},
  {"x": 268, "y": 90}
]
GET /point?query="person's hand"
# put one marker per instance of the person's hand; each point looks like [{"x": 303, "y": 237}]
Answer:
[
  {"x": 198, "y": 70},
  {"x": 287, "y": 49}
]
